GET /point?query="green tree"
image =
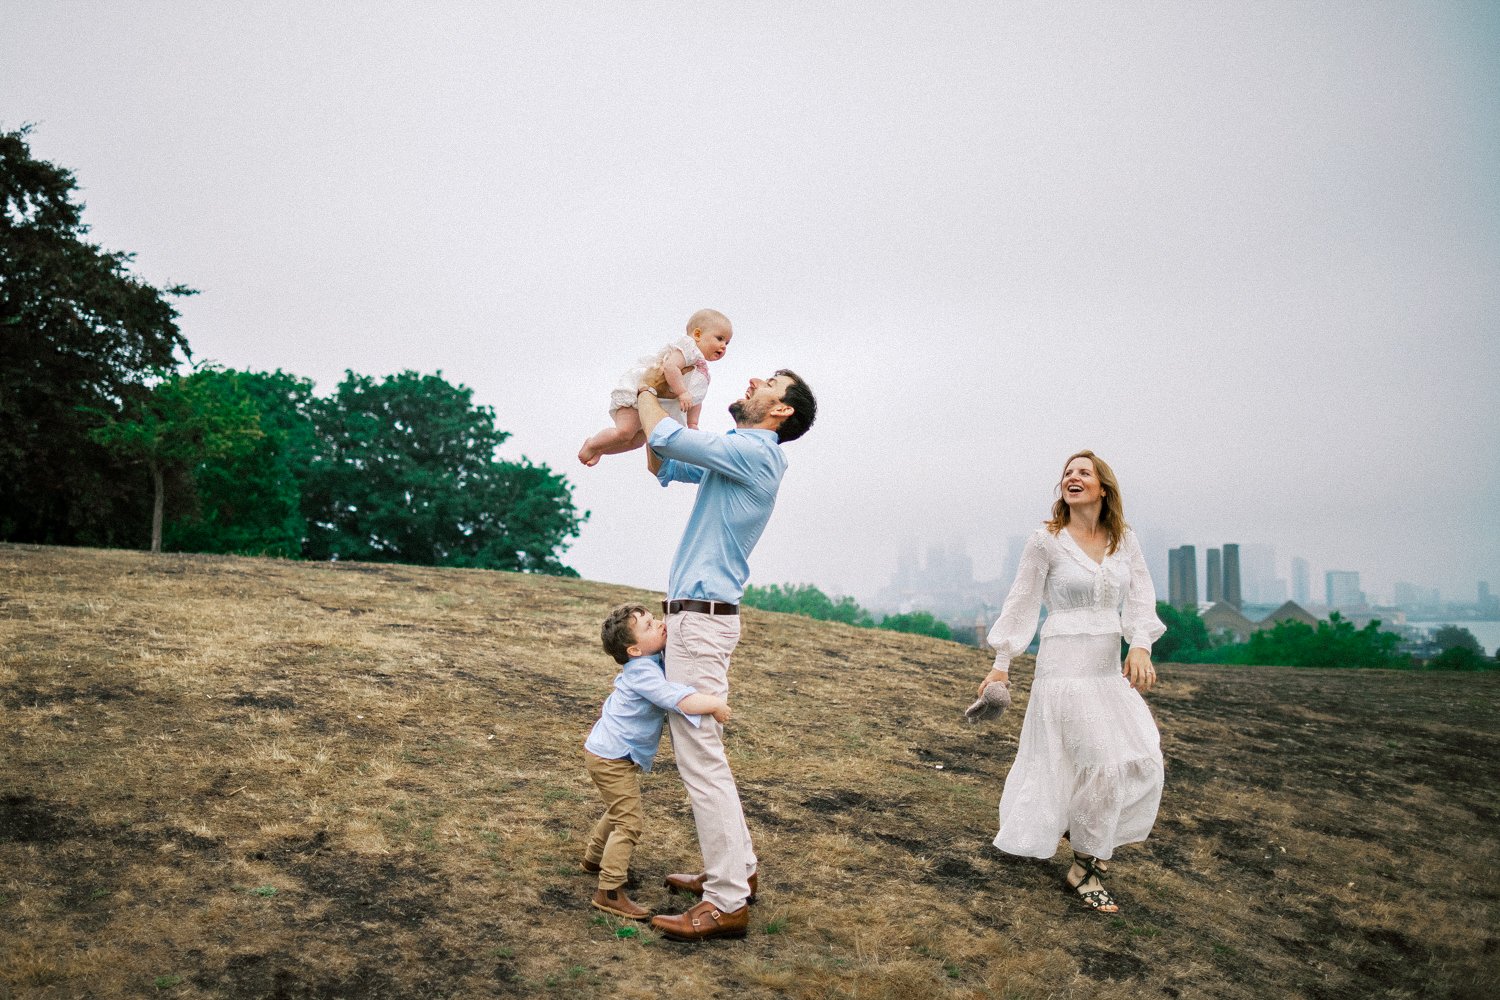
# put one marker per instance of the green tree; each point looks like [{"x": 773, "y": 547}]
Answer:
[
  {"x": 1186, "y": 637},
  {"x": 407, "y": 472},
  {"x": 1334, "y": 643},
  {"x": 1456, "y": 637},
  {"x": 919, "y": 623},
  {"x": 806, "y": 599},
  {"x": 250, "y": 502},
  {"x": 182, "y": 421},
  {"x": 80, "y": 336},
  {"x": 1461, "y": 658}
]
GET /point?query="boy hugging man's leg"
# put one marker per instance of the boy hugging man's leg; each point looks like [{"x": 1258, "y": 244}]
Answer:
[{"x": 622, "y": 746}]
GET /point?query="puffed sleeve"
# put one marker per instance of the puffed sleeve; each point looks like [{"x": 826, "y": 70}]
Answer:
[
  {"x": 1016, "y": 625},
  {"x": 1138, "y": 621}
]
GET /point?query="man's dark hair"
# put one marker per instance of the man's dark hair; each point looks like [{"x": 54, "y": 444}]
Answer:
[
  {"x": 618, "y": 631},
  {"x": 805, "y": 408}
]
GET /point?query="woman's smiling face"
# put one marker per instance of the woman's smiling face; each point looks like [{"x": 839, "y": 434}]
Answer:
[{"x": 1080, "y": 484}]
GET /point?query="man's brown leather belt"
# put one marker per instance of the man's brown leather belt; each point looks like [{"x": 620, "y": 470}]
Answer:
[{"x": 702, "y": 607}]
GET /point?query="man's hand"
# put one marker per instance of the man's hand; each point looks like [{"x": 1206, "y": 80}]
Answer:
[
  {"x": 1138, "y": 669},
  {"x": 655, "y": 378}
]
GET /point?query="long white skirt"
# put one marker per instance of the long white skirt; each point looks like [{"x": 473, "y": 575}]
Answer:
[{"x": 1089, "y": 762}]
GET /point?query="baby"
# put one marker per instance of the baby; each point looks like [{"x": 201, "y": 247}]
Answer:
[{"x": 683, "y": 364}]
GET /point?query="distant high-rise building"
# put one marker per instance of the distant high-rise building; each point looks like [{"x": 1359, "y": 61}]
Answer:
[
  {"x": 1489, "y": 604},
  {"x": 1213, "y": 581},
  {"x": 1301, "y": 581},
  {"x": 1182, "y": 577},
  {"x": 1343, "y": 589},
  {"x": 1258, "y": 574},
  {"x": 1232, "y": 575},
  {"x": 1415, "y": 597}
]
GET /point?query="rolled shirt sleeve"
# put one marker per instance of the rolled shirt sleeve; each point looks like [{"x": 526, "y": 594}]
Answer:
[{"x": 646, "y": 679}]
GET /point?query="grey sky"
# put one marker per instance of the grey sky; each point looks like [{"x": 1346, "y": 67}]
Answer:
[{"x": 1250, "y": 253}]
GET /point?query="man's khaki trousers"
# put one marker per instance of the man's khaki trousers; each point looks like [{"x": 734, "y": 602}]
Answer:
[{"x": 698, "y": 651}]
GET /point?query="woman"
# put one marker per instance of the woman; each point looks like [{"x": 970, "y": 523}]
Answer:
[{"x": 1089, "y": 763}]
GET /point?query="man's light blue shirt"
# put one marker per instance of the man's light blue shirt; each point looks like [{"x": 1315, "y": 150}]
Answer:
[
  {"x": 737, "y": 474},
  {"x": 630, "y": 723}
]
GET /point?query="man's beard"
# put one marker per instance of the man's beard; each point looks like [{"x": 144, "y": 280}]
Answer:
[{"x": 746, "y": 413}]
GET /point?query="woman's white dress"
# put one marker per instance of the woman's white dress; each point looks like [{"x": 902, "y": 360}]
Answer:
[{"x": 1089, "y": 761}]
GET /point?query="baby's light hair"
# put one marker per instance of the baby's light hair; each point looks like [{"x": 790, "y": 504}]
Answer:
[{"x": 704, "y": 318}]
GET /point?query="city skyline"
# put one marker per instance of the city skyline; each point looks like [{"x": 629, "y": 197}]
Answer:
[
  {"x": 1265, "y": 288},
  {"x": 909, "y": 562}
]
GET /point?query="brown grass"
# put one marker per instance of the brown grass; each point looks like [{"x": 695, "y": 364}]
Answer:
[{"x": 245, "y": 778}]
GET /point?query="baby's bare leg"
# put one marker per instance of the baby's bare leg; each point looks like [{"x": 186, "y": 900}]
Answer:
[{"x": 625, "y": 435}]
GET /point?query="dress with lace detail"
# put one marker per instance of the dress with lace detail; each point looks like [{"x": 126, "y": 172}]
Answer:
[
  {"x": 1089, "y": 761},
  {"x": 696, "y": 381}
]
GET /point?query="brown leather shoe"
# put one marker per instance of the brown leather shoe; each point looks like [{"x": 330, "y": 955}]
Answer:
[
  {"x": 694, "y": 884},
  {"x": 616, "y": 902},
  {"x": 702, "y": 922}
]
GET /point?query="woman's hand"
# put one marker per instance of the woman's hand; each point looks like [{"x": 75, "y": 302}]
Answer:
[
  {"x": 1003, "y": 676},
  {"x": 1138, "y": 669}
]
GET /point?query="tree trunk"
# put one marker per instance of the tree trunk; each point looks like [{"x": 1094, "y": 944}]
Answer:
[{"x": 161, "y": 493}]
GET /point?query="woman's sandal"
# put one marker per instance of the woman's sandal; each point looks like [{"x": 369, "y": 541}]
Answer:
[{"x": 1098, "y": 899}]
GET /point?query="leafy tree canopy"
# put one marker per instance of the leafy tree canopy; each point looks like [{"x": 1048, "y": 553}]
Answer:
[
  {"x": 1334, "y": 643},
  {"x": 406, "y": 472},
  {"x": 79, "y": 336},
  {"x": 1186, "y": 636},
  {"x": 1456, "y": 637},
  {"x": 250, "y": 502},
  {"x": 183, "y": 420},
  {"x": 806, "y": 599},
  {"x": 919, "y": 623}
]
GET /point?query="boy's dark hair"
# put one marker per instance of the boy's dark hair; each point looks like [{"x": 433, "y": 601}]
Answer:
[
  {"x": 618, "y": 631},
  {"x": 804, "y": 408}
]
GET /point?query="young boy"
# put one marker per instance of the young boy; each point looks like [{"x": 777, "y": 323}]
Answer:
[{"x": 622, "y": 746}]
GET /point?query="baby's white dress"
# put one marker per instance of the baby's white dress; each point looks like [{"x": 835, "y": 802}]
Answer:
[
  {"x": 1089, "y": 761},
  {"x": 696, "y": 380}
]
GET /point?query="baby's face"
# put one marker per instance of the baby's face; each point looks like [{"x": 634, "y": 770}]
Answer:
[
  {"x": 650, "y": 634},
  {"x": 713, "y": 341}
]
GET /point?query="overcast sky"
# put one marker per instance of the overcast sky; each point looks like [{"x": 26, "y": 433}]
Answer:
[{"x": 1248, "y": 252}]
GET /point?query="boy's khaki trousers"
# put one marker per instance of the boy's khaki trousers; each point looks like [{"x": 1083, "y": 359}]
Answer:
[{"x": 619, "y": 829}]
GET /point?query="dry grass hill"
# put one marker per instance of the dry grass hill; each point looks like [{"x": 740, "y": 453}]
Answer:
[{"x": 240, "y": 778}]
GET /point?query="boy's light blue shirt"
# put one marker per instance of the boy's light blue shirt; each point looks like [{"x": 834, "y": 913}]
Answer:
[
  {"x": 630, "y": 723},
  {"x": 738, "y": 474}
]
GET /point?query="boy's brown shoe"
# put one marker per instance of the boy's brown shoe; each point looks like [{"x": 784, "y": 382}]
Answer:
[
  {"x": 694, "y": 884},
  {"x": 616, "y": 902},
  {"x": 702, "y": 922}
]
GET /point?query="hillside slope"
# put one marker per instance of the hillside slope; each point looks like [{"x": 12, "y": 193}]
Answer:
[{"x": 247, "y": 778}]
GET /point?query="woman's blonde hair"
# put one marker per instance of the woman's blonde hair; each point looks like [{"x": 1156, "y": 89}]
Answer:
[{"x": 1111, "y": 510}]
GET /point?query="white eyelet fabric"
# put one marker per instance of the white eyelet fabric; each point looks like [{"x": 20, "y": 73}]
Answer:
[{"x": 1089, "y": 760}]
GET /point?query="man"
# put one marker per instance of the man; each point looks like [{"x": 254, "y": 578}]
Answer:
[{"x": 737, "y": 475}]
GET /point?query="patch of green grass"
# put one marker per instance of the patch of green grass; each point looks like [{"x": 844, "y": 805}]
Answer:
[
  {"x": 98, "y": 893},
  {"x": 264, "y": 891},
  {"x": 627, "y": 932},
  {"x": 167, "y": 982},
  {"x": 776, "y": 925},
  {"x": 501, "y": 953}
]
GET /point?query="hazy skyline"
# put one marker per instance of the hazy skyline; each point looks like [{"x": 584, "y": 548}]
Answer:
[{"x": 1249, "y": 254}]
